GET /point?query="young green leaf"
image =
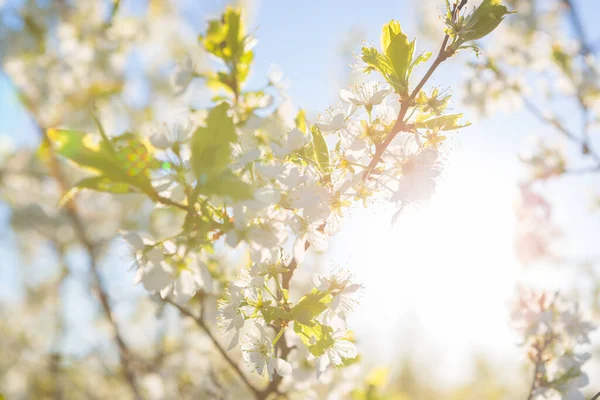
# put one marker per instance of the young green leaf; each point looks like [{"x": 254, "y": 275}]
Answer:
[
  {"x": 275, "y": 315},
  {"x": 99, "y": 183},
  {"x": 310, "y": 306},
  {"x": 79, "y": 148},
  {"x": 211, "y": 145},
  {"x": 226, "y": 185},
  {"x": 444, "y": 123},
  {"x": 388, "y": 32},
  {"x": 300, "y": 120},
  {"x": 316, "y": 337},
  {"x": 483, "y": 20},
  {"x": 125, "y": 160},
  {"x": 400, "y": 52},
  {"x": 321, "y": 149}
]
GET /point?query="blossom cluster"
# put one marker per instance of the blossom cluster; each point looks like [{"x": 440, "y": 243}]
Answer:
[
  {"x": 250, "y": 173},
  {"x": 554, "y": 331}
]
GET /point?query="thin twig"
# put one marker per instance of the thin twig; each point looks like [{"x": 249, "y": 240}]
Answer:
[
  {"x": 585, "y": 48},
  {"x": 400, "y": 125},
  {"x": 202, "y": 324},
  {"x": 539, "y": 114},
  {"x": 113, "y": 13}
]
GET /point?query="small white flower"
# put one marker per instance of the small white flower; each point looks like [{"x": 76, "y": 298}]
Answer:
[
  {"x": 182, "y": 75},
  {"x": 575, "y": 326},
  {"x": 167, "y": 137},
  {"x": 276, "y": 78},
  {"x": 182, "y": 289},
  {"x": 336, "y": 119},
  {"x": 231, "y": 317},
  {"x": 155, "y": 276},
  {"x": 415, "y": 169},
  {"x": 134, "y": 240},
  {"x": 295, "y": 140},
  {"x": 345, "y": 293},
  {"x": 312, "y": 233},
  {"x": 257, "y": 351},
  {"x": 340, "y": 349},
  {"x": 366, "y": 94}
]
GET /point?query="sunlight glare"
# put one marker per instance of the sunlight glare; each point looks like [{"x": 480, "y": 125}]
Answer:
[{"x": 439, "y": 281}]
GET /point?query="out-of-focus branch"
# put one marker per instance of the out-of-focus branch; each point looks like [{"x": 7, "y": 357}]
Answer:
[
  {"x": 199, "y": 320},
  {"x": 538, "y": 360},
  {"x": 72, "y": 211},
  {"x": 535, "y": 111},
  {"x": 584, "y": 47},
  {"x": 55, "y": 357}
]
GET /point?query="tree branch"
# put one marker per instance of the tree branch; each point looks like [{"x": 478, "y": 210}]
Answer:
[
  {"x": 400, "y": 125},
  {"x": 585, "y": 48},
  {"x": 200, "y": 322}
]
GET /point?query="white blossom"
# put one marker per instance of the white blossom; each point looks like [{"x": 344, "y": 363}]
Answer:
[
  {"x": 257, "y": 350},
  {"x": 182, "y": 74},
  {"x": 340, "y": 349},
  {"x": 366, "y": 94}
]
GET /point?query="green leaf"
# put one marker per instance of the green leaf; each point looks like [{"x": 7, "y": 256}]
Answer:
[
  {"x": 275, "y": 315},
  {"x": 226, "y": 39},
  {"x": 400, "y": 52},
  {"x": 388, "y": 32},
  {"x": 243, "y": 67},
  {"x": 381, "y": 63},
  {"x": 316, "y": 337},
  {"x": 300, "y": 120},
  {"x": 395, "y": 63},
  {"x": 79, "y": 148},
  {"x": 444, "y": 123},
  {"x": 234, "y": 35},
  {"x": 483, "y": 20},
  {"x": 310, "y": 306},
  {"x": 99, "y": 183},
  {"x": 126, "y": 159},
  {"x": 321, "y": 150},
  {"x": 211, "y": 145},
  {"x": 226, "y": 185},
  {"x": 423, "y": 57},
  {"x": 224, "y": 36}
]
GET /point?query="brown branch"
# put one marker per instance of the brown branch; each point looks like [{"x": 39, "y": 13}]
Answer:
[{"x": 202, "y": 324}]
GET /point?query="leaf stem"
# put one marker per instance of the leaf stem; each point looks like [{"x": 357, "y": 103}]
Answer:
[
  {"x": 266, "y": 287},
  {"x": 279, "y": 335}
]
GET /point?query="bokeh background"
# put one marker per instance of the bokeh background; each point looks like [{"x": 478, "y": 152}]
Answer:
[{"x": 435, "y": 312}]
